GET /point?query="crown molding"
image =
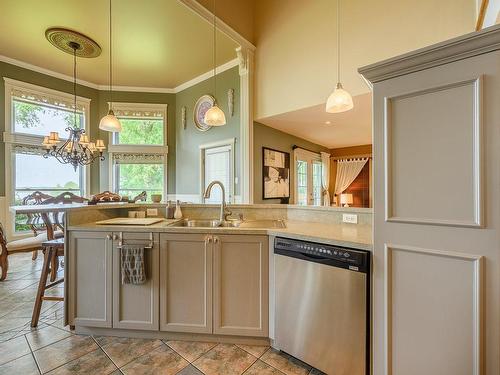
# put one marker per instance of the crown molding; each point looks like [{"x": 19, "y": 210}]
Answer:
[
  {"x": 164, "y": 90},
  {"x": 47, "y": 72},
  {"x": 207, "y": 75},
  {"x": 462, "y": 47}
]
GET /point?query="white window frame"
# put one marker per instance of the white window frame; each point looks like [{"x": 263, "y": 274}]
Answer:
[
  {"x": 309, "y": 157},
  {"x": 230, "y": 142},
  {"x": 160, "y": 150},
  {"x": 11, "y": 138}
]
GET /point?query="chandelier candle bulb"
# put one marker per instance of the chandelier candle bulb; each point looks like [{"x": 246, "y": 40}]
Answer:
[
  {"x": 100, "y": 145},
  {"x": 54, "y": 138},
  {"x": 84, "y": 140}
]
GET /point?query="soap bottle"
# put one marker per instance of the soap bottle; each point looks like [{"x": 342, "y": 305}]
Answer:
[
  {"x": 170, "y": 210},
  {"x": 178, "y": 212}
]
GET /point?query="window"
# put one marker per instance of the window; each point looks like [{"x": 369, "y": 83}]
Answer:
[
  {"x": 217, "y": 160},
  {"x": 308, "y": 176},
  {"x": 33, "y": 112},
  {"x": 138, "y": 154}
]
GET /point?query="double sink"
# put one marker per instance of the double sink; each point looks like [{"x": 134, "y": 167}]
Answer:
[{"x": 210, "y": 223}]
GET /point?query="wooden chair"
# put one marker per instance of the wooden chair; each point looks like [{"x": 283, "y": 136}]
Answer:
[
  {"x": 25, "y": 245},
  {"x": 35, "y": 221},
  {"x": 58, "y": 222},
  {"x": 52, "y": 250}
]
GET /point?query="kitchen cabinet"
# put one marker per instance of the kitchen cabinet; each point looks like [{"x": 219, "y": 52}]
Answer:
[
  {"x": 136, "y": 306},
  {"x": 241, "y": 287},
  {"x": 186, "y": 283},
  {"x": 436, "y": 279},
  {"x": 90, "y": 278}
]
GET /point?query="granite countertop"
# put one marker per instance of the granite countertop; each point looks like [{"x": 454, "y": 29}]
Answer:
[{"x": 357, "y": 236}]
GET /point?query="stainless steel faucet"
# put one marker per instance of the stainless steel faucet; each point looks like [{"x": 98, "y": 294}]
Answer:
[{"x": 224, "y": 212}]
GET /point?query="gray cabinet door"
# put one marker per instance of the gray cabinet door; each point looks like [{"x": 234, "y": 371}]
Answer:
[
  {"x": 90, "y": 269},
  {"x": 241, "y": 288},
  {"x": 136, "y": 306},
  {"x": 186, "y": 283}
]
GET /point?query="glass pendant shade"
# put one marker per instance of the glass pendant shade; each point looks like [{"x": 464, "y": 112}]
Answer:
[
  {"x": 215, "y": 116},
  {"x": 339, "y": 100},
  {"x": 110, "y": 123}
]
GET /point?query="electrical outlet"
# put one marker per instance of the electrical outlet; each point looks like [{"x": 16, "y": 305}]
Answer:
[
  {"x": 350, "y": 218},
  {"x": 152, "y": 212}
]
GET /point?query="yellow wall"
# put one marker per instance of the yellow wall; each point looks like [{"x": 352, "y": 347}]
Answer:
[
  {"x": 296, "y": 43},
  {"x": 239, "y": 14}
]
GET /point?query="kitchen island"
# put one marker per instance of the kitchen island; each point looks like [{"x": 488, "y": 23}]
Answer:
[{"x": 212, "y": 284}]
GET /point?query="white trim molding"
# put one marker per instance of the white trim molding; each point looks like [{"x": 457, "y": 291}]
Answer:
[
  {"x": 203, "y": 77},
  {"x": 462, "y": 47},
  {"x": 163, "y": 90},
  {"x": 477, "y": 262},
  {"x": 246, "y": 71}
]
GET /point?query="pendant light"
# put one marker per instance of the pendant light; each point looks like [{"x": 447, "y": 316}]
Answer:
[
  {"x": 215, "y": 116},
  {"x": 109, "y": 122},
  {"x": 339, "y": 100}
]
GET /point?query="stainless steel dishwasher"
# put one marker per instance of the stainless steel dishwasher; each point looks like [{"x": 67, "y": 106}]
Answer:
[{"x": 322, "y": 305}]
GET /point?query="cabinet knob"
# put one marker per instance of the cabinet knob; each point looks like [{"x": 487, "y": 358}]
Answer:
[
  {"x": 208, "y": 239},
  {"x": 115, "y": 237},
  {"x": 216, "y": 239}
]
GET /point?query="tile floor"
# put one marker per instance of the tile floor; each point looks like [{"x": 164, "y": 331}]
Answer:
[{"x": 52, "y": 348}]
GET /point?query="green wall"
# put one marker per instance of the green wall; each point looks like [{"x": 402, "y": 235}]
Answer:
[
  {"x": 183, "y": 143},
  {"x": 29, "y": 76},
  {"x": 264, "y": 136},
  {"x": 189, "y": 139}
]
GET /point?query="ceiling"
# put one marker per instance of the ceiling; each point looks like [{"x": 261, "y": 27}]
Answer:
[
  {"x": 332, "y": 130},
  {"x": 156, "y": 43}
]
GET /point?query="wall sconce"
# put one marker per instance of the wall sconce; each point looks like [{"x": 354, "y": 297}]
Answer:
[
  {"x": 183, "y": 117},
  {"x": 230, "y": 101}
]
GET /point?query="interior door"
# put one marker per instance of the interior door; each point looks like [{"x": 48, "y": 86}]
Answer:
[
  {"x": 308, "y": 186},
  {"x": 437, "y": 219}
]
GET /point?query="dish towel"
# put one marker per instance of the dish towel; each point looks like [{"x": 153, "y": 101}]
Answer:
[{"x": 132, "y": 264}]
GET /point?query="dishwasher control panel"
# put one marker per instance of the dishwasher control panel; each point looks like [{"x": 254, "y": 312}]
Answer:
[{"x": 351, "y": 258}]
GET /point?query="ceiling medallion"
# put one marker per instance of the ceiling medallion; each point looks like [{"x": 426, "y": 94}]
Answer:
[{"x": 64, "y": 39}]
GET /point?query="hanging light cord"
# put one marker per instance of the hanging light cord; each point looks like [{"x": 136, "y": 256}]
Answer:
[
  {"x": 74, "y": 84},
  {"x": 110, "y": 58},
  {"x": 338, "y": 41},
  {"x": 215, "y": 49}
]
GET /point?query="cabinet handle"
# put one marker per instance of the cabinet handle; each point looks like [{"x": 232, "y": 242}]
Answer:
[
  {"x": 208, "y": 239},
  {"x": 108, "y": 237},
  {"x": 216, "y": 239}
]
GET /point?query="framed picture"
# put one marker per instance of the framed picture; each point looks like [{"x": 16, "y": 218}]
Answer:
[
  {"x": 275, "y": 174},
  {"x": 203, "y": 104}
]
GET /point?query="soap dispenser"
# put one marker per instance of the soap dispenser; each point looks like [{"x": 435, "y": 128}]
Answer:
[{"x": 178, "y": 212}]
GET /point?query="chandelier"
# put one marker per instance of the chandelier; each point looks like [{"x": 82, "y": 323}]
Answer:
[{"x": 77, "y": 149}]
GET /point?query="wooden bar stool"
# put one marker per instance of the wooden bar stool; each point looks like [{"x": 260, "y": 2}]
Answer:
[{"x": 52, "y": 250}]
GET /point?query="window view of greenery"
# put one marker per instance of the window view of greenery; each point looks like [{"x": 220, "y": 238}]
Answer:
[
  {"x": 36, "y": 119},
  {"x": 34, "y": 172},
  {"x": 302, "y": 182},
  {"x": 140, "y": 132},
  {"x": 135, "y": 178}
]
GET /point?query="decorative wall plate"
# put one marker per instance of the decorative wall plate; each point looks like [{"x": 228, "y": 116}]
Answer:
[{"x": 203, "y": 104}]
